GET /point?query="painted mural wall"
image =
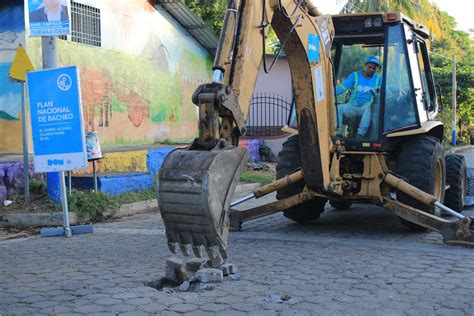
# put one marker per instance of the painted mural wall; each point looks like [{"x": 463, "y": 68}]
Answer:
[
  {"x": 12, "y": 33},
  {"x": 136, "y": 87}
]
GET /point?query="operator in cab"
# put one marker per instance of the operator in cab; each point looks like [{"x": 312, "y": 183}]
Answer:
[{"x": 364, "y": 86}]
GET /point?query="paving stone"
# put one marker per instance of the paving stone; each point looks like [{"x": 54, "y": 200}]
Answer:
[
  {"x": 108, "y": 301},
  {"x": 153, "y": 308},
  {"x": 183, "y": 308},
  {"x": 235, "y": 313},
  {"x": 294, "y": 312},
  {"x": 139, "y": 301},
  {"x": 228, "y": 268},
  {"x": 210, "y": 275},
  {"x": 211, "y": 307},
  {"x": 32, "y": 299},
  {"x": 184, "y": 287},
  {"x": 135, "y": 313},
  {"x": 120, "y": 308},
  {"x": 193, "y": 264},
  {"x": 43, "y": 304},
  {"x": 126, "y": 295},
  {"x": 261, "y": 312},
  {"x": 87, "y": 309},
  {"x": 176, "y": 270}
]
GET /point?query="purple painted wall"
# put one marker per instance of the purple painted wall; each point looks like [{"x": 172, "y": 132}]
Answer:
[{"x": 11, "y": 178}]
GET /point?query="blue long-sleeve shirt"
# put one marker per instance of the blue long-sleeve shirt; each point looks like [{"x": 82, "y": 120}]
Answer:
[{"x": 365, "y": 90}]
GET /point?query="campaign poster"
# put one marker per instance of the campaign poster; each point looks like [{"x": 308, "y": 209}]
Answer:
[{"x": 49, "y": 17}]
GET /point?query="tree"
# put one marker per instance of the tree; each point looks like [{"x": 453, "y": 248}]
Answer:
[{"x": 210, "y": 11}]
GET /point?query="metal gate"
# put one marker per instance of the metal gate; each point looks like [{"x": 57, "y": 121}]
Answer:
[{"x": 268, "y": 113}]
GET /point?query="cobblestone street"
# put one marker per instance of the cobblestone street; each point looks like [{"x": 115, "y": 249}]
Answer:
[
  {"x": 351, "y": 262},
  {"x": 360, "y": 261}
]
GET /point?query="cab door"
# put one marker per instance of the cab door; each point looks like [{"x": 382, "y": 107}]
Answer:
[{"x": 420, "y": 93}]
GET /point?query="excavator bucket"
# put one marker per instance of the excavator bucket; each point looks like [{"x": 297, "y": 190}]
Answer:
[{"x": 194, "y": 190}]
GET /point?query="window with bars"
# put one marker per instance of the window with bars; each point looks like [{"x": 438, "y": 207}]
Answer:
[{"x": 85, "y": 24}]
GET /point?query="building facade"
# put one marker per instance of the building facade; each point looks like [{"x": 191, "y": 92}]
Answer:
[{"x": 138, "y": 68}]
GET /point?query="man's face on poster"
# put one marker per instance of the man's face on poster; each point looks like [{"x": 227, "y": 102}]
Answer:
[{"x": 52, "y": 3}]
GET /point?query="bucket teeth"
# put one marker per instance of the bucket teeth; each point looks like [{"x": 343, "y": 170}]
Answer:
[
  {"x": 172, "y": 247},
  {"x": 185, "y": 249},
  {"x": 198, "y": 251},
  {"x": 223, "y": 253}
]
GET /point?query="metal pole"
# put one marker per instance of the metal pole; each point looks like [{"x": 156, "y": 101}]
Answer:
[
  {"x": 62, "y": 182},
  {"x": 94, "y": 174},
  {"x": 69, "y": 181},
  {"x": 50, "y": 60},
  {"x": 26, "y": 166},
  {"x": 49, "y": 52},
  {"x": 454, "y": 100}
]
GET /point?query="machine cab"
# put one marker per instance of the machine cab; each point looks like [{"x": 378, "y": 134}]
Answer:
[{"x": 383, "y": 80}]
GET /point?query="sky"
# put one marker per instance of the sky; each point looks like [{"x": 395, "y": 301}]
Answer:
[{"x": 461, "y": 10}]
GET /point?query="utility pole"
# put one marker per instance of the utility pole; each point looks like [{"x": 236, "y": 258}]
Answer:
[
  {"x": 50, "y": 60},
  {"x": 454, "y": 100}
]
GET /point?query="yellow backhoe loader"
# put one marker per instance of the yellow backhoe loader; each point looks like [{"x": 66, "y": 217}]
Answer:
[{"x": 397, "y": 162}]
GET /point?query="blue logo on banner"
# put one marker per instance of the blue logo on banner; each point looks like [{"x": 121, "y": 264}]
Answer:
[
  {"x": 313, "y": 48},
  {"x": 55, "y": 162}
]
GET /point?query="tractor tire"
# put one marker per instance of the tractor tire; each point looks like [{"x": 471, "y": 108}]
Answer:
[
  {"x": 340, "y": 204},
  {"x": 289, "y": 160},
  {"x": 421, "y": 162},
  {"x": 456, "y": 177}
]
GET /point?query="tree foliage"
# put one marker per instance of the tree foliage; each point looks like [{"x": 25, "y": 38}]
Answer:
[{"x": 210, "y": 11}]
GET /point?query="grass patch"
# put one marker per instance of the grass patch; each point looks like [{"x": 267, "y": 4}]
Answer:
[{"x": 261, "y": 177}]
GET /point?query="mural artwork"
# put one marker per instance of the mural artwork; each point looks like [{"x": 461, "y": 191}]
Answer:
[
  {"x": 12, "y": 33},
  {"x": 136, "y": 87}
]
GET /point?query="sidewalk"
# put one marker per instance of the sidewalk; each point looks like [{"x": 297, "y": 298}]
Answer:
[{"x": 56, "y": 218}]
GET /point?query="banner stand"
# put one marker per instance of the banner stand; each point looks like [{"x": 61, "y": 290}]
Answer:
[
  {"x": 67, "y": 230},
  {"x": 58, "y": 134}
]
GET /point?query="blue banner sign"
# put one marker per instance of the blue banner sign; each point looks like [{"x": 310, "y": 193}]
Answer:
[
  {"x": 56, "y": 120},
  {"x": 49, "y": 17}
]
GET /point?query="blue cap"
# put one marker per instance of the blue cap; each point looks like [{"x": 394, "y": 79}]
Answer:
[{"x": 373, "y": 59}]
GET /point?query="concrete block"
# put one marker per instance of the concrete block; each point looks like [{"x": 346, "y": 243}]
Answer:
[
  {"x": 213, "y": 263},
  {"x": 176, "y": 270},
  {"x": 234, "y": 277},
  {"x": 210, "y": 275},
  {"x": 228, "y": 268},
  {"x": 184, "y": 287},
  {"x": 194, "y": 264}
]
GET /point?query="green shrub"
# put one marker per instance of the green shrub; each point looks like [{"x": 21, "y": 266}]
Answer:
[{"x": 89, "y": 205}]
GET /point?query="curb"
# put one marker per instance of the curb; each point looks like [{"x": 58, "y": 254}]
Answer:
[
  {"x": 56, "y": 218},
  {"x": 461, "y": 148}
]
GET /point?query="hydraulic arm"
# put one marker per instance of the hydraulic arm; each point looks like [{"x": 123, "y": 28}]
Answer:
[{"x": 195, "y": 185}]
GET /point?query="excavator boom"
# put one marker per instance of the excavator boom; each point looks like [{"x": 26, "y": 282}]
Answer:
[{"x": 195, "y": 185}]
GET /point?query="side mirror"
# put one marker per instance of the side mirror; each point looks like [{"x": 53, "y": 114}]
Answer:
[{"x": 439, "y": 95}]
